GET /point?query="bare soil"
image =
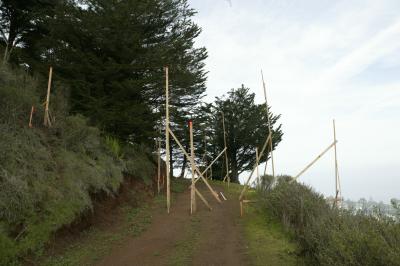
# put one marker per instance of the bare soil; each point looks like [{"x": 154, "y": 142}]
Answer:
[
  {"x": 105, "y": 214},
  {"x": 209, "y": 237}
]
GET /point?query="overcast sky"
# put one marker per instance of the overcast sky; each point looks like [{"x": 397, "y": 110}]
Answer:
[{"x": 321, "y": 59}]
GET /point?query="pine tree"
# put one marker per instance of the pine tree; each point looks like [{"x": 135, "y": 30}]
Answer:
[
  {"x": 112, "y": 53},
  {"x": 17, "y": 18},
  {"x": 246, "y": 128}
]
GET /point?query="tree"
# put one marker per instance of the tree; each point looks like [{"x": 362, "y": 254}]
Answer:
[
  {"x": 200, "y": 116},
  {"x": 18, "y": 17},
  {"x": 246, "y": 128},
  {"x": 112, "y": 53}
]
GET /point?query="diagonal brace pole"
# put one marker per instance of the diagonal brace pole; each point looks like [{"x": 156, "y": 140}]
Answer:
[
  {"x": 203, "y": 199},
  {"x": 205, "y": 171},
  {"x": 254, "y": 168},
  {"x": 195, "y": 167},
  {"x": 316, "y": 159}
]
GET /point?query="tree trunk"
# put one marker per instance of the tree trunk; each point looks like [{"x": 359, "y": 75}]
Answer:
[
  {"x": 5, "y": 54},
  {"x": 235, "y": 171},
  {"x": 184, "y": 162}
]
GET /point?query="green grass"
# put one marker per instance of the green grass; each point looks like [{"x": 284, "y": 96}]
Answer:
[
  {"x": 266, "y": 239},
  {"x": 95, "y": 243},
  {"x": 267, "y": 242}
]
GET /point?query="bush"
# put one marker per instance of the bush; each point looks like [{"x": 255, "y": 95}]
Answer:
[
  {"x": 47, "y": 176},
  {"x": 139, "y": 162},
  {"x": 329, "y": 236}
]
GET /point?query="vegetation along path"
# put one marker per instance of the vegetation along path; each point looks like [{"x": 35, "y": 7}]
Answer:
[
  {"x": 217, "y": 237},
  {"x": 153, "y": 237}
]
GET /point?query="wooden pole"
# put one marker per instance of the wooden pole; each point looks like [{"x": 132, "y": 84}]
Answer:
[
  {"x": 167, "y": 130},
  {"x": 215, "y": 194},
  {"x": 203, "y": 199},
  {"x": 205, "y": 155},
  {"x": 337, "y": 186},
  {"x": 158, "y": 163},
  {"x": 193, "y": 187},
  {"x": 316, "y": 159},
  {"x": 269, "y": 129},
  {"x": 258, "y": 173},
  {"x": 210, "y": 165},
  {"x": 251, "y": 174},
  {"x": 226, "y": 152},
  {"x": 46, "y": 121},
  {"x": 31, "y": 117}
]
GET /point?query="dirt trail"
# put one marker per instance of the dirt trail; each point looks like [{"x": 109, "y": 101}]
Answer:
[{"x": 214, "y": 237}]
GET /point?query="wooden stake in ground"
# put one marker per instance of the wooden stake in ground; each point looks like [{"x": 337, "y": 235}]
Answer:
[
  {"x": 158, "y": 163},
  {"x": 215, "y": 194},
  {"x": 31, "y": 116},
  {"x": 269, "y": 129},
  {"x": 193, "y": 188},
  {"x": 205, "y": 155},
  {"x": 167, "y": 139},
  {"x": 226, "y": 152},
  {"x": 242, "y": 205},
  {"x": 316, "y": 159},
  {"x": 258, "y": 173},
  {"x": 251, "y": 173},
  {"x": 338, "y": 196},
  {"x": 46, "y": 121}
]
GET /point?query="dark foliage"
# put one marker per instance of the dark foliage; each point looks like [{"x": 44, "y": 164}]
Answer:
[
  {"x": 111, "y": 54},
  {"x": 246, "y": 128}
]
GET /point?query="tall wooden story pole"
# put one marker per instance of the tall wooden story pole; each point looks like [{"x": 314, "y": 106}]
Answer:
[
  {"x": 158, "y": 162},
  {"x": 258, "y": 173},
  {"x": 46, "y": 121},
  {"x": 193, "y": 187},
  {"x": 269, "y": 129},
  {"x": 205, "y": 155},
  {"x": 167, "y": 139},
  {"x": 226, "y": 151},
  {"x": 337, "y": 186}
]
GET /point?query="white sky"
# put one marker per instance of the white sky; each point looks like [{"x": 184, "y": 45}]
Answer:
[{"x": 321, "y": 59}]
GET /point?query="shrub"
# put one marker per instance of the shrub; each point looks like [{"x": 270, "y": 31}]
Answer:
[
  {"x": 115, "y": 147},
  {"x": 47, "y": 176},
  {"x": 139, "y": 162},
  {"x": 329, "y": 236}
]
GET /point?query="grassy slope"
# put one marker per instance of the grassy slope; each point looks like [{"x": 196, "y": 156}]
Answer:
[
  {"x": 267, "y": 242},
  {"x": 49, "y": 175},
  {"x": 96, "y": 242}
]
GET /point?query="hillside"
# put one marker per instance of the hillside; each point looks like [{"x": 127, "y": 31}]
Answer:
[
  {"x": 124, "y": 140},
  {"x": 49, "y": 177}
]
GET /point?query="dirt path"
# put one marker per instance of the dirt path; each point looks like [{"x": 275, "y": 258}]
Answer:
[{"x": 206, "y": 238}]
